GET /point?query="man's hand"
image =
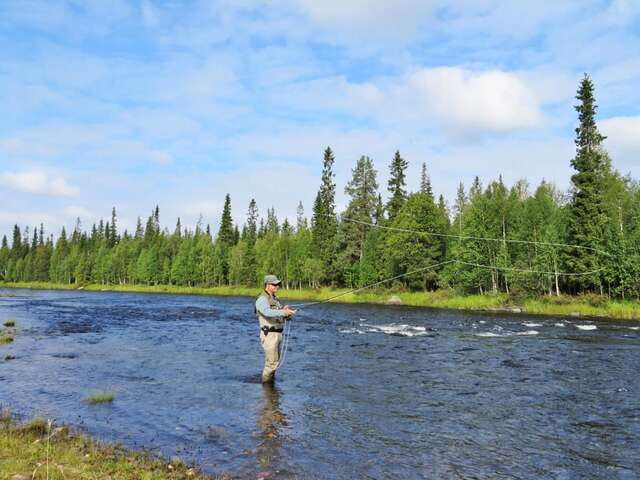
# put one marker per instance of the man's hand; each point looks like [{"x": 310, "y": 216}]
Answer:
[{"x": 288, "y": 311}]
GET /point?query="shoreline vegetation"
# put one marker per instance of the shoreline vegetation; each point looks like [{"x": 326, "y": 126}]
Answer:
[
  {"x": 39, "y": 449},
  {"x": 565, "y": 305}
]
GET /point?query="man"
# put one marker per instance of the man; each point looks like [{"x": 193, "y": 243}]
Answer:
[{"x": 271, "y": 315}]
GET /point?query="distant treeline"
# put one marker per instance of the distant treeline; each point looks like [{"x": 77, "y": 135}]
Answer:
[{"x": 601, "y": 212}]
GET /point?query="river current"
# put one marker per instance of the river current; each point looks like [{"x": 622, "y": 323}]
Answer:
[{"x": 365, "y": 391}]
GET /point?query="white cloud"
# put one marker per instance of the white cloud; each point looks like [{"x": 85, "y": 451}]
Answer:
[
  {"x": 623, "y": 142},
  {"x": 464, "y": 100},
  {"x": 39, "y": 182},
  {"x": 397, "y": 20}
]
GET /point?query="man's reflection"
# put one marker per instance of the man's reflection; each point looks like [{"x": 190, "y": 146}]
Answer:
[{"x": 270, "y": 421}]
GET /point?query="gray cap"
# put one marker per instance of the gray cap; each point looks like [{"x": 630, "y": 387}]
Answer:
[{"x": 271, "y": 280}]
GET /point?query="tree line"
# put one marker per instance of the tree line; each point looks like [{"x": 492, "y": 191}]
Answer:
[{"x": 491, "y": 238}]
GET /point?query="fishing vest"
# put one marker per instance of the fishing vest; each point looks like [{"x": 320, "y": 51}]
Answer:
[{"x": 273, "y": 303}]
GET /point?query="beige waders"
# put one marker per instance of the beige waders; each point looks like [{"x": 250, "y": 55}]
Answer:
[{"x": 271, "y": 346}]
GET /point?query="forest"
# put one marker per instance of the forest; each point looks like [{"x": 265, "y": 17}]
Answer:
[{"x": 516, "y": 239}]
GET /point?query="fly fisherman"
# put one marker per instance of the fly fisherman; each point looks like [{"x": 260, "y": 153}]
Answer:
[{"x": 271, "y": 315}]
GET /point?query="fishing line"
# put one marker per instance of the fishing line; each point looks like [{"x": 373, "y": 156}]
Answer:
[
  {"x": 287, "y": 330},
  {"x": 471, "y": 237},
  {"x": 304, "y": 305}
]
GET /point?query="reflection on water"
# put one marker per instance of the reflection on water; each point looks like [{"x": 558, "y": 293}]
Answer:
[
  {"x": 367, "y": 391},
  {"x": 270, "y": 422}
]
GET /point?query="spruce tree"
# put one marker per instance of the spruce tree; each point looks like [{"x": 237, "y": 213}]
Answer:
[
  {"x": 249, "y": 258},
  {"x": 301, "y": 220},
  {"x": 587, "y": 210},
  {"x": 139, "y": 233},
  {"x": 461, "y": 202},
  {"x": 363, "y": 190},
  {"x": 113, "y": 239},
  {"x": 396, "y": 185},
  {"x": 16, "y": 244},
  {"x": 425, "y": 181},
  {"x": 226, "y": 238},
  {"x": 324, "y": 225}
]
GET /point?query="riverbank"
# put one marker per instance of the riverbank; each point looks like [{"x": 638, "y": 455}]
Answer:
[
  {"x": 582, "y": 306},
  {"x": 39, "y": 450}
]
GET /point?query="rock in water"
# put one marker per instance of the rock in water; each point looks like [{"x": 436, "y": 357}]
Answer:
[{"x": 394, "y": 300}]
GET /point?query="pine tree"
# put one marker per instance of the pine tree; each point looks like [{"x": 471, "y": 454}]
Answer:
[
  {"x": 587, "y": 210},
  {"x": 396, "y": 185}
]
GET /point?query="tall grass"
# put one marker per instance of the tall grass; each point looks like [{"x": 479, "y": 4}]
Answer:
[
  {"x": 39, "y": 450},
  {"x": 100, "y": 397}
]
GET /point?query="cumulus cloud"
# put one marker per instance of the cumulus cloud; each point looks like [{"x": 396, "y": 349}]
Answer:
[
  {"x": 465, "y": 100},
  {"x": 39, "y": 182},
  {"x": 623, "y": 141}
]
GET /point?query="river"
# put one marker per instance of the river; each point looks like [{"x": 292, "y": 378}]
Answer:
[{"x": 365, "y": 391}]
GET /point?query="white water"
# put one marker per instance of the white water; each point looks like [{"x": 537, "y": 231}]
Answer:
[
  {"x": 587, "y": 327},
  {"x": 507, "y": 334},
  {"x": 388, "y": 329}
]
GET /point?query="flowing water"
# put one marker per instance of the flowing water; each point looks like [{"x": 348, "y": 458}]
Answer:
[{"x": 366, "y": 391}]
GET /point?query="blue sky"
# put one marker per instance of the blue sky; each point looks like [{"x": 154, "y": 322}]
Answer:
[{"x": 137, "y": 103}]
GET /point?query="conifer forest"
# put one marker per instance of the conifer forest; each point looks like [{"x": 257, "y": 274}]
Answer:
[{"x": 519, "y": 239}]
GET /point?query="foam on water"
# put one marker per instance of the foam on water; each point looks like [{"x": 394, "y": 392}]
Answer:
[
  {"x": 587, "y": 327},
  {"x": 634, "y": 328},
  {"x": 507, "y": 334},
  {"x": 559, "y": 324},
  {"x": 532, "y": 324},
  {"x": 351, "y": 330},
  {"x": 388, "y": 329},
  {"x": 396, "y": 329}
]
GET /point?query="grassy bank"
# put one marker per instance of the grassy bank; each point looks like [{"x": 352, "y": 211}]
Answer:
[
  {"x": 594, "y": 306},
  {"x": 39, "y": 450}
]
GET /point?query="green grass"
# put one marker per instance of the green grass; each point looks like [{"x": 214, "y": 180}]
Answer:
[
  {"x": 100, "y": 397},
  {"x": 587, "y": 305},
  {"x": 9, "y": 323},
  {"x": 40, "y": 450}
]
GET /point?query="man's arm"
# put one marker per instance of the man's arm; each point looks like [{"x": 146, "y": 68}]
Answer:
[{"x": 263, "y": 307}]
